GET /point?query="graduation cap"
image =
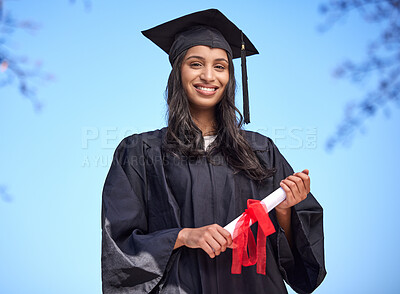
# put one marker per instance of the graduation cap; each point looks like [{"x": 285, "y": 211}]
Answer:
[{"x": 209, "y": 28}]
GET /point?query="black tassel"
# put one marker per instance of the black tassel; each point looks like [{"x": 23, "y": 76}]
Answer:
[{"x": 246, "y": 111}]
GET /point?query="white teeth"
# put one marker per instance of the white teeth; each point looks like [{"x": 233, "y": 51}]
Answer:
[{"x": 206, "y": 89}]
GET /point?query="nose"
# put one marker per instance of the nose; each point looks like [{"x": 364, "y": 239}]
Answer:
[{"x": 207, "y": 74}]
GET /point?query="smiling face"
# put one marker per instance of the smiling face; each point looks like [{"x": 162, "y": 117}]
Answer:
[{"x": 204, "y": 73}]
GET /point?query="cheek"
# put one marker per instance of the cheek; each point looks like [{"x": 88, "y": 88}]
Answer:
[
  {"x": 183, "y": 76},
  {"x": 186, "y": 74},
  {"x": 183, "y": 73},
  {"x": 225, "y": 80}
]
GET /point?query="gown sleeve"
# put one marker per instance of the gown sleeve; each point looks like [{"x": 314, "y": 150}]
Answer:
[
  {"x": 133, "y": 259},
  {"x": 303, "y": 265}
]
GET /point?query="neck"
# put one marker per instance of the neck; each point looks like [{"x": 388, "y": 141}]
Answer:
[{"x": 205, "y": 121}]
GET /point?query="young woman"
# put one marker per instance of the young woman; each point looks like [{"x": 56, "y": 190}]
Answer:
[{"x": 170, "y": 192}]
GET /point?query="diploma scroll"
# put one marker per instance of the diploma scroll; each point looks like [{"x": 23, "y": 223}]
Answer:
[{"x": 271, "y": 201}]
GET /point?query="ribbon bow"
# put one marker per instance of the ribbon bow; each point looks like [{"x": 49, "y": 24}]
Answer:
[{"x": 243, "y": 238}]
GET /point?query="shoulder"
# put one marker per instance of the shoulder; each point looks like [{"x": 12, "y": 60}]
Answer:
[
  {"x": 150, "y": 138},
  {"x": 266, "y": 150},
  {"x": 258, "y": 142},
  {"x": 136, "y": 143}
]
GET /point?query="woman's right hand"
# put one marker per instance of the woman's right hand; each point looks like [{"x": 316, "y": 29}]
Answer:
[{"x": 213, "y": 239}]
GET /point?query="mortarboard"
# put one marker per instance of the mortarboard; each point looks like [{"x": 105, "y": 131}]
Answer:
[{"x": 210, "y": 28}]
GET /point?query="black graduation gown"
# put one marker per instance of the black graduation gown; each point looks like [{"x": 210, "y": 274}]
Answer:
[{"x": 149, "y": 196}]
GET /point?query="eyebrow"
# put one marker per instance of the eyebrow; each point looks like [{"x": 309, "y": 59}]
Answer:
[{"x": 202, "y": 58}]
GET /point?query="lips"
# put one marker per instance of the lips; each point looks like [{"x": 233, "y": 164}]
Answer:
[{"x": 205, "y": 89}]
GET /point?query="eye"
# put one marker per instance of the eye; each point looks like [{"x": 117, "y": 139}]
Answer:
[
  {"x": 195, "y": 64},
  {"x": 220, "y": 67}
]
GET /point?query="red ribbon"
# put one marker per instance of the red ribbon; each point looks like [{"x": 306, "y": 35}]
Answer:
[{"x": 256, "y": 211}]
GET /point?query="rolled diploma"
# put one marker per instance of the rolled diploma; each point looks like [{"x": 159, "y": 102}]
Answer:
[{"x": 270, "y": 202}]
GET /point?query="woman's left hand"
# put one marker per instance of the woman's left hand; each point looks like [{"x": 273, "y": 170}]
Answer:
[{"x": 296, "y": 187}]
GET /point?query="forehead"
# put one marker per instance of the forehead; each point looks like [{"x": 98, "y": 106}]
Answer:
[{"x": 207, "y": 52}]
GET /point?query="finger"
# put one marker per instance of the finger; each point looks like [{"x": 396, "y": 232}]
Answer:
[
  {"x": 289, "y": 195},
  {"x": 208, "y": 249},
  {"x": 306, "y": 180},
  {"x": 301, "y": 189},
  {"x": 226, "y": 235},
  {"x": 216, "y": 232},
  {"x": 300, "y": 192},
  {"x": 211, "y": 236},
  {"x": 293, "y": 189},
  {"x": 216, "y": 247},
  {"x": 306, "y": 171},
  {"x": 286, "y": 188},
  {"x": 203, "y": 244},
  {"x": 220, "y": 239}
]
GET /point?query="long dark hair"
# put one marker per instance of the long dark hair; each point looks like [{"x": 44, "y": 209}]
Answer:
[{"x": 183, "y": 137}]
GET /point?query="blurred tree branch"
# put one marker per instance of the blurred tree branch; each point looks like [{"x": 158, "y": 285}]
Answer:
[
  {"x": 382, "y": 62},
  {"x": 4, "y": 195},
  {"x": 86, "y": 3},
  {"x": 19, "y": 69}
]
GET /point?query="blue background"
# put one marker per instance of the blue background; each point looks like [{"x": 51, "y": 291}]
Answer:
[{"x": 110, "y": 82}]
